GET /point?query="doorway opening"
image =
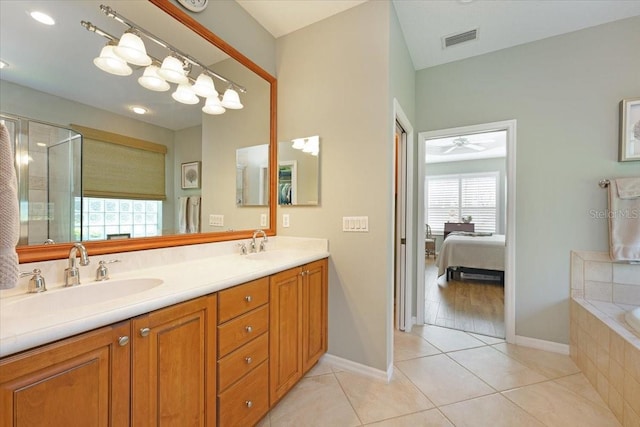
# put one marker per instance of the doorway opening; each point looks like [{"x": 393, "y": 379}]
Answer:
[{"x": 466, "y": 211}]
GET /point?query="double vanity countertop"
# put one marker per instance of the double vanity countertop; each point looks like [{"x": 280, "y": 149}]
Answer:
[{"x": 30, "y": 320}]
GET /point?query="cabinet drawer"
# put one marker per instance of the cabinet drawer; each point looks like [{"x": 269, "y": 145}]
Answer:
[
  {"x": 242, "y": 329},
  {"x": 235, "y": 365},
  {"x": 240, "y": 299},
  {"x": 247, "y": 401}
]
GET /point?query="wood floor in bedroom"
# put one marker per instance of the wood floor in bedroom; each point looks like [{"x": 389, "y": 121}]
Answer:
[{"x": 471, "y": 306}]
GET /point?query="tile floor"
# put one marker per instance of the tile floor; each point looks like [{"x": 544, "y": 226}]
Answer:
[{"x": 445, "y": 377}]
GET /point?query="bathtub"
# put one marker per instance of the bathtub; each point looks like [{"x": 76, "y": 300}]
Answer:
[{"x": 632, "y": 317}]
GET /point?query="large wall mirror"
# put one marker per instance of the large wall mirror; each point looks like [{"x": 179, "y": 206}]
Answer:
[{"x": 51, "y": 93}]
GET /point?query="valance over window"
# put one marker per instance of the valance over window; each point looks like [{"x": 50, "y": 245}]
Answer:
[{"x": 118, "y": 166}]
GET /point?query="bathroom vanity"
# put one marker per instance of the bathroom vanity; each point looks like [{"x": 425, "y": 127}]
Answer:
[{"x": 224, "y": 357}]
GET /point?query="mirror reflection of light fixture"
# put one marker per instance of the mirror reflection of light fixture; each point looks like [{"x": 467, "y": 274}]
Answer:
[
  {"x": 152, "y": 81},
  {"x": 204, "y": 86},
  {"x": 213, "y": 106},
  {"x": 309, "y": 145},
  {"x": 111, "y": 63},
  {"x": 3, "y": 65},
  {"x": 231, "y": 100},
  {"x": 298, "y": 143},
  {"x": 42, "y": 18},
  {"x": 185, "y": 94},
  {"x": 138, "y": 109},
  {"x": 131, "y": 49},
  {"x": 172, "y": 71}
]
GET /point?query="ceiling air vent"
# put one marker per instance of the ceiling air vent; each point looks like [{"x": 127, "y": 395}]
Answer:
[{"x": 458, "y": 38}]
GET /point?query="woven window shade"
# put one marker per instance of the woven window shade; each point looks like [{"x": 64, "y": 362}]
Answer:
[{"x": 116, "y": 166}]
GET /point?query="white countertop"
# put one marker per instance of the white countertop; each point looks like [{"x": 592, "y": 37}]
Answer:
[{"x": 181, "y": 281}]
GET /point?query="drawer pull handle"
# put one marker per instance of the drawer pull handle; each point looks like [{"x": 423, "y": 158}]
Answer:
[
  {"x": 249, "y": 329},
  {"x": 248, "y": 298},
  {"x": 248, "y": 403},
  {"x": 144, "y": 332},
  {"x": 122, "y": 341},
  {"x": 248, "y": 360}
]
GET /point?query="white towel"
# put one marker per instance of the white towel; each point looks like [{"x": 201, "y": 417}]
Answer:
[
  {"x": 193, "y": 215},
  {"x": 9, "y": 217},
  {"x": 182, "y": 214},
  {"x": 624, "y": 219}
]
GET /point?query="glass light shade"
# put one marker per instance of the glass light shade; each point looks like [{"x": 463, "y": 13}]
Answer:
[
  {"x": 131, "y": 49},
  {"x": 213, "y": 106},
  {"x": 111, "y": 63},
  {"x": 171, "y": 70},
  {"x": 185, "y": 94},
  {"x": 152, "y": 81},
  {"x": 204, "y": 86},
  {"x": 231, "y": 100}
]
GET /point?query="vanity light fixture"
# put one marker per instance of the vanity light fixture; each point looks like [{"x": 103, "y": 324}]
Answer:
[
  {"x": 42, "y": 18},
  {"x": 174, "y": 68},
  {"x": 152, "y": 81},
  {"x": 111, "y": 63}
]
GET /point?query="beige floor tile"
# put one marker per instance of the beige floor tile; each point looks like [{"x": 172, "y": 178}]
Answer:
[
  {"x": 579, "y": 384},
  {"x": 442, "y": 380},
  {"x": 551, "y": 365},
  {"x": 375, "y": 400},
  {"x": 555, "y": 405},
  {"x": 265, "y": 422},
  {"x": 430, "y": 418},
  {"x": 496, "y": 368},
  {"x": 487, "y": 339},
  {"x": 315, "y": 401},
  {"x": 447, "y": 339},
  {"x": 491, "y": 411},
  {"x": 321, "y": 368},
  {"x": 410, "y": 346}
]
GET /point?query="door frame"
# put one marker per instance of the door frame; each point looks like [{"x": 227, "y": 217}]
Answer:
[
  {"x": 510, "y": 270},
  {"x": 408, "y": 197}
]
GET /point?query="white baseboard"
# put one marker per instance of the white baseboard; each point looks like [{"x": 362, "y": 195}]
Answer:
[
  {"x": 554, "y": 347},
  {"x": 358, "y": 368}
]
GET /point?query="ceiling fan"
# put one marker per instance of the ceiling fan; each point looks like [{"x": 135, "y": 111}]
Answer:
[{"x": 461, "y": 142}]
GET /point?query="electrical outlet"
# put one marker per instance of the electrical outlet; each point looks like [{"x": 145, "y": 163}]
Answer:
[
  {"x": 285, "y": 220},
  {"x": 263, "y": 220}
]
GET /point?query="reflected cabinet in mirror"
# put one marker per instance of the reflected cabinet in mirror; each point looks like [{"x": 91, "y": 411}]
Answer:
[
  {"x": 299, "y": 171},
  {"x": 92, "y": 168}
]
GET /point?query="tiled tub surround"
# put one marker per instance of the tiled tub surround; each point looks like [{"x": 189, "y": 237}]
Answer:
[
  {"x": 602, "y": 344},
  {"x": 187, "y": 272}
]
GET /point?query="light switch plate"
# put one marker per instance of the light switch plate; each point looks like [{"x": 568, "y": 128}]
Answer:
[
  {"x": 285, "y": 220},
  {"x": 359, "y": 224},
  {"x": 216, "y": 220},
  {"x": 263, "y": 220}
]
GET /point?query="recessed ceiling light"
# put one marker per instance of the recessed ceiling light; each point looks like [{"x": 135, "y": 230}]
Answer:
[
  {"x": 41, "y": 144},
  {"x": 138, "y": 110},
  {"x": 42, "y": 17},
  {"x": 3, "y": 65}
]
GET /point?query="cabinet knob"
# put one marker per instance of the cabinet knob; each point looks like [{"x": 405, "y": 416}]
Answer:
[
  {"x": 248, "y": 298},
  {"x": 248, "y": 403},
  {"x": 249, "y": 329},
  {"x": 248, "y": 360},
  {"x": 122, "y": 341},
  {"x": 144, "y": 332}
]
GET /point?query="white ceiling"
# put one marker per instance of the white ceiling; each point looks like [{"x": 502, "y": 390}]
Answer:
[{"x": 500, "y": 23}]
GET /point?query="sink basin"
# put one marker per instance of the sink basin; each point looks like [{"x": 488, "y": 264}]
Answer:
[
  {"x": 275, "y": 255},
  {"x": 78, "y": 296}
]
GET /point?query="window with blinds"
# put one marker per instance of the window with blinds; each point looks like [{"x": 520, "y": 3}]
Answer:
[{"x": 450, "y": 197}]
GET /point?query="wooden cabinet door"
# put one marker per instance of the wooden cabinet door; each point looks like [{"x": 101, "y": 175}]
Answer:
[
  {"x": 285, "y": 329},
  {"x": 174, "y": 365},
  {"x": 79, "y": 381},
  {"x": 314, "y": 312}
]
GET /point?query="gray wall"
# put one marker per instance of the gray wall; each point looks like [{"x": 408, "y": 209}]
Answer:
[{"x": 564, "y": 93}]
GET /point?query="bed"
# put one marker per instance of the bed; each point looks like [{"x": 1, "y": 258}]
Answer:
[{"x": 472, "y": 253}]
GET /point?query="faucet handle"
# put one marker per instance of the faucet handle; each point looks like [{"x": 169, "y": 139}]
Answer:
[
  {"x": 36, "y": 283},
  {"x": 102, "y": 272},
  {"x": 243, "y": 248}
]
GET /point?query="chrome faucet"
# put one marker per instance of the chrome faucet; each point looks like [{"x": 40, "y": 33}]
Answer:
[
  {"x": 72, "y": 273},
  {"x": 262, "y": 243}
]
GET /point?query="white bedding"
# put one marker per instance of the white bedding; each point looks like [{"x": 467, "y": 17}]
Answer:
[{"x": 482, "y": 252}]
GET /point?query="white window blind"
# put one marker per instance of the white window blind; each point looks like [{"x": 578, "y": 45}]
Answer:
[{"x": 450, "y": 197}]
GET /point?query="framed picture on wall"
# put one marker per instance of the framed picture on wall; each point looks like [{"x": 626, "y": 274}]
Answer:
[
  {"x": 629, "y": 130},
  {"x": 191, "y": 175}
]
